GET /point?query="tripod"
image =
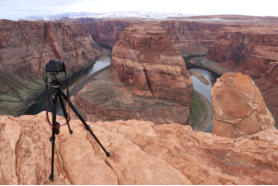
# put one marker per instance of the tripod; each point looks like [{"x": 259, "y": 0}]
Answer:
[{"x": 56, "y": 94}]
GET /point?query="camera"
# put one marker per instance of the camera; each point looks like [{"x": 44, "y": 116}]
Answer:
[{"x": 55, "y": 66}]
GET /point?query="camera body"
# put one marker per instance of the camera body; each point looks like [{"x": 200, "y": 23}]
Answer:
[{"x": 55, "y": 66}]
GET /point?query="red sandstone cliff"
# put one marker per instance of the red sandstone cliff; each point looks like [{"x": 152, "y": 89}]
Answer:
[
  {"x": 146, "y": 60},
  {"x": 149, "y": 80},
  {"x": 190, "y": 37},
  {"x": 141, "y": 153},
  {"x": 252, "y": 50},
  {"x": 239, "y": 107},
  {"x": 106, "y": 31},
  {"x": 25, "y": 48}
]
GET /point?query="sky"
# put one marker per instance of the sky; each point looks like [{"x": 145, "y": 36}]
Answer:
[{"x": 14, "y": 9}]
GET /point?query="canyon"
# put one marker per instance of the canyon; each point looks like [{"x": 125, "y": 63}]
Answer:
[
  {"x": 140, "y": 107},
  {"x": 149, "y": 80},
  {"x": 25, "y": 48},
  {"x": 230, "y": 43},
  {"x": 251, "y": 50}
]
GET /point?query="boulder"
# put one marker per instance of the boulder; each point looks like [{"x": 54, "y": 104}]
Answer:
[
  {"x": 239, "y": 107},
  {"x": 252, "y": 50},
  {"x": 141, "y": 153}
]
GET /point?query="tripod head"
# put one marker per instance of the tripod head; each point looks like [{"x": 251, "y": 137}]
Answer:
[{"x": 54, "y": 67}]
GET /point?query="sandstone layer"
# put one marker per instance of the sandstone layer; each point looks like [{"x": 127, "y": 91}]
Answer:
[
  {"x": 145, "y": 59},
  {"x": 25, "y": 48},
  {"x": 239, "y": 107},
  {"x": 190, "y": 37},
  {"x": 252, "y": 50},
  {"x": 104, "y": 98},
  {"x": 106, "y": 31},
  {"x": 141, "y": 153}
]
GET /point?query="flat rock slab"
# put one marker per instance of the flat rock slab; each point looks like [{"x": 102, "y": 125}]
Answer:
[{"x": 141, "y": 153}]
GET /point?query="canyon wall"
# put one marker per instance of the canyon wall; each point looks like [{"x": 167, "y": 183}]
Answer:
[
  {"x": 25, "y": 48},
  {"x": 141, "y": 153},
  {"x": 145, "y": 59},
  {"x": 190, "y": 37},
  {"x": 149, "y": 80},
  {"x": 106, "y": 31},
  {"x": 251, "y": 50}
]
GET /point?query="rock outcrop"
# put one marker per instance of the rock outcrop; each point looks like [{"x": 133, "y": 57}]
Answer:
[
  {"x": 105, "y": 98},
  {"x": 239, "y": 107},
  {"x": 141, "y": 153},
  {"x": 25, "y": 48},
  {"x": 145, "y": 59},
  {"x": 252, "y": 50}
]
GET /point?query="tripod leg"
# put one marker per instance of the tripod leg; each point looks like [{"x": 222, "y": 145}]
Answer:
[
  {"x": 55, "y": 130},
  {"x": 65, "y": 113},
  {"x": 87, "y": 127}
]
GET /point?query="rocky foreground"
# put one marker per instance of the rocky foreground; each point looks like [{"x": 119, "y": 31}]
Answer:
[{"x": 141, "y": 153}]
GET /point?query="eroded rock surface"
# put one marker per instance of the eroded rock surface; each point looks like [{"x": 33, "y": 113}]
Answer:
[
  {"x": 239, "y": 107},
  {"x": 147, "y": 61},
  {"x": 253, "y": 51},
  {"x": 105, "y": 98},
  {"x": 25, "y": 48},
  {"x": 141, "y": 153}
]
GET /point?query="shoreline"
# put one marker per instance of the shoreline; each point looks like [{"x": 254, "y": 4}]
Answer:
[{"x": 201, "y": 114}]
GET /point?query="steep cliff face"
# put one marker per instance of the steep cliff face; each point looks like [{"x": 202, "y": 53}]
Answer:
[
  {"x": 239, "y": 107},
  {"x": 106, "y": 31},
  {"x": 25, "y": 48},
  {"x": 192, "y": 37},
  {"x": 252, "y": 51},
  {"x": 141, "y": 153},
  {"x": 146, "y": 60}
]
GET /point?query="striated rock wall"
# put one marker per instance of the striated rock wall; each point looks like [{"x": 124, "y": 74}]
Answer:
[
  {"x": 25, "y": 48},
  {"x": 190, "y": 37},
  {"x": 141, "y": 153},
  {"x": 253, "y": 51},
  {"x": 239, "y": 107},
  {"x": 106, "y": 31},
  {"x": 146, "y": 60}
]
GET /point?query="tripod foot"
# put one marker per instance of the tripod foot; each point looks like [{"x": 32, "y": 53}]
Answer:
[
  {"x": 70, "y": 131},
  {"x": 107, "y": 154},
  {"x": 51, "y": 177}
]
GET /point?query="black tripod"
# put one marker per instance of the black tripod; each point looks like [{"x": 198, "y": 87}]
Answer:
[{"x": 55, "y": 93}]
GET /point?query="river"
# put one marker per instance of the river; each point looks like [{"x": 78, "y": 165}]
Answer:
[{"x": 202, "y": 82}]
